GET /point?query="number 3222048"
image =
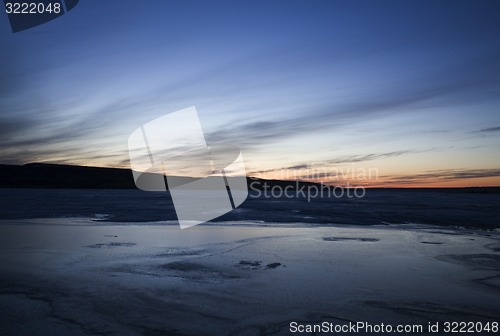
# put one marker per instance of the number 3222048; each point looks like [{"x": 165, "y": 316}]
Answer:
[{"x": 32, "y": 8}]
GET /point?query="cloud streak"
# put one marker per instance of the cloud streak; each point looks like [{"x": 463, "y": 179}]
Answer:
[
  {"x": 463, "y": 84},
  {"x": 489, "y": 130},
  {"x": 436, "y": 178},
  {"x": 315, "y": 170}
]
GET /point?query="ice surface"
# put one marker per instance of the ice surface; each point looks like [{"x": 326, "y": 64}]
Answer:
[{"x": 239, "y": 280}]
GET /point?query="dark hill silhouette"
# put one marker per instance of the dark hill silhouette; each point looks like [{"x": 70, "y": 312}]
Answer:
[
  {"x": 41, "y": 175},
  {"x": 44, "y": 175}
]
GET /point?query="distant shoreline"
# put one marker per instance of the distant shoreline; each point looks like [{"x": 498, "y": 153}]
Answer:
[{"x": 55, "y": 176}]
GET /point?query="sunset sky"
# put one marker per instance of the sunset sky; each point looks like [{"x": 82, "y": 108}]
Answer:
[{"x": 374, "y": 93}]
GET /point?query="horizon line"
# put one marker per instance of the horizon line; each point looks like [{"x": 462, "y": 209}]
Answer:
[{"x": 386, "y": 185}]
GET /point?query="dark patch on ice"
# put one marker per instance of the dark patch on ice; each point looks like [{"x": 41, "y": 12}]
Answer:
[
  {"x": 350, "y": 239},
  {"x": 198, "y": 271},
  {"x": 479, "y": 261},
  {"x": 494, "y": 247},
  {"x": 111, "y": 244},
  {"x": 491, "y": 281},
  {"x": 250, "y": 263},
  {"x": 273, "y": 265},
  {"x": 186, "y": 267},
  {"x": 257, "y": 265},
  {"x": 134, "y": 270},
  {"x": 431, "y": 243},
  {"x": 110, "y": 236}
]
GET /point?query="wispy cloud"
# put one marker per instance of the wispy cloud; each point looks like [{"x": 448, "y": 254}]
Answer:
[
  {"x": 451, "y": 174},
  {"x": 463, "y": 84},
  {"x": 489, "y": 130},
  {"x": 370, "y": 157},
  {"x": 319, "y": 169},
  {"x": 435, "y": 177}
]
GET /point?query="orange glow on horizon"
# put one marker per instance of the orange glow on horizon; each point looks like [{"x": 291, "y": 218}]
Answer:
[{"x": 395, "y": 182}]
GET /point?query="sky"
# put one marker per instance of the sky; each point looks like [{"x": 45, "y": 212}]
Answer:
[{"x": 359, "y": 93}]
